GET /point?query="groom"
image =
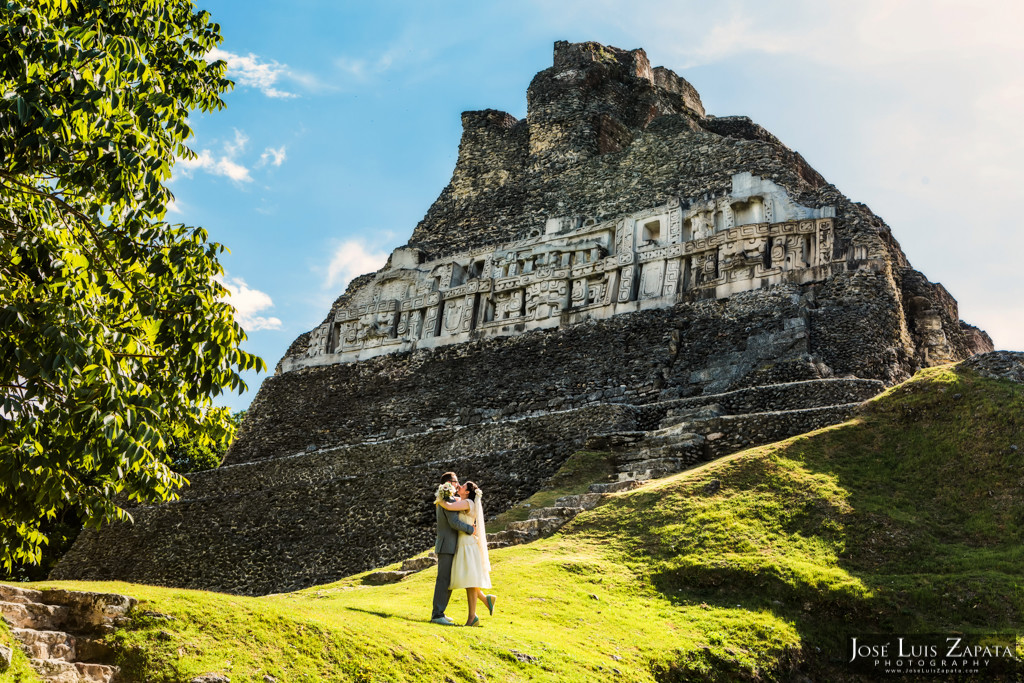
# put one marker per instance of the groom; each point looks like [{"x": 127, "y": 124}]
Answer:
[{"x": 448, "y": 528}]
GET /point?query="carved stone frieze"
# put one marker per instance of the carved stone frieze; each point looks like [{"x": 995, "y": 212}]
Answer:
[{"x": 576, "y": 269}]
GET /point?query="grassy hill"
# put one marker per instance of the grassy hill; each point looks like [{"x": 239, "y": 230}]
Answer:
[{"x": 758, "y": 566}]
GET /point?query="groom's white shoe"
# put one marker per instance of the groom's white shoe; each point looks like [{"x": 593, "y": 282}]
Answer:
[{"x": 444, "y": 620}]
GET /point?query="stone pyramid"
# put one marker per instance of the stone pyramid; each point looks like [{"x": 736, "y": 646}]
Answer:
[{"x": 616, "y": 257}]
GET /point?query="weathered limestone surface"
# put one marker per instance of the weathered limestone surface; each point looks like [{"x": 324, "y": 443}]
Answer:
[
  {"x": 308, "y": 518},
  {"x": 998, "y": 365},
  {"x": 583, "y": 270},
  {"x": 615, "y": 252},
  {"x": 59, "y": 630}
]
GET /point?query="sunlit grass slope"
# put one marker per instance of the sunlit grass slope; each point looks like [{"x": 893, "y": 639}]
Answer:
[{"x": 755, "y": 567}]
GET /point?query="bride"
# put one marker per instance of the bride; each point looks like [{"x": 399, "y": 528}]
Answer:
[{"x": 471, "y": 568}]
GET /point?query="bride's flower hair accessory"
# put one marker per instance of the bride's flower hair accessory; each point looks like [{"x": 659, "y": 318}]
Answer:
[{"x": 444, "y": 491}]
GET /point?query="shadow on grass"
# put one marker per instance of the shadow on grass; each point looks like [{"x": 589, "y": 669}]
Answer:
[
  {"x": 904, "y": 521},
  {"x": 386, "y": 615}
]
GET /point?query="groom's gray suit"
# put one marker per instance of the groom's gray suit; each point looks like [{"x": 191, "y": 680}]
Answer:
[{"x": 448, "y": 528}]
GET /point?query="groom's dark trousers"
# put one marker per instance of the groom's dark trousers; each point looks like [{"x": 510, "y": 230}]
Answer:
[{"x": 448, "y": 528}]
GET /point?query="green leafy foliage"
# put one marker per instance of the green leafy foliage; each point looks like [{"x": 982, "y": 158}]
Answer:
[
  {"x": 191, "y": 454},
  {"x": 185, "y": 454},
  {"x": 114, "y": 333}
]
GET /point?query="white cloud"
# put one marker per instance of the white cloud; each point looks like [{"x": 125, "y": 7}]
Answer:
[
  {"x": 274, "y": 157},
  {"x": 172, "y": 207},
  {"x": 226, "y": 164},
  {"x": 247, "y": 302},
  {"x": 251, "y": 71},
  {"x": 205, "y": 161},
  {"x": 235, "y": 147},
  {"x": 351, "y": 259},
  {"x": 361, "y": 69}
]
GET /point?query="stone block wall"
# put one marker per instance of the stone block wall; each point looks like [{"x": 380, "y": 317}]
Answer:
[
  {"x": 797, "y": 395},
  {"x": 695, "y": 347},
  {"x": 731, "y": 433},
  {"x": 293, "y": 522},
  {"x": 492, "y": 379},
  {"x": 334, "y": 467}
]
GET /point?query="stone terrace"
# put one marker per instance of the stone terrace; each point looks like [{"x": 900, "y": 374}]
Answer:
[
  {"x": 60, "y": 631},
  {"x": 333, "y": 469},
  {"x": 311, "y": 517}
]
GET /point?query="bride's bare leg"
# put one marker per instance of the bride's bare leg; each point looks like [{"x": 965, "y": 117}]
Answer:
[
  {"x": 471, "y": 599},
  {"x": 484, "y": 597}
]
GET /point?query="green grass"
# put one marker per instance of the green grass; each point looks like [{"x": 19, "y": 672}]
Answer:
[
  {"x": 908, "y": 518},
  {"x": 20, "y": 669},
  {"x": 582, "y": 469}
]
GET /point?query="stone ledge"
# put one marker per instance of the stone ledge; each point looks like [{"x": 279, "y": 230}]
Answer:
[{"x": 998, "y": 365}]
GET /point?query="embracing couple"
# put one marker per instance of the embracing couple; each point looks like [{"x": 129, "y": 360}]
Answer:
[{"x": 461, "y": 548}]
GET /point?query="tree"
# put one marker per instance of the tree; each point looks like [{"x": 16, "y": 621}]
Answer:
[
  {"x": 114, "y": 334},
  {"x": 190, "y": 454},
  {"x": 185, "y": 455}
]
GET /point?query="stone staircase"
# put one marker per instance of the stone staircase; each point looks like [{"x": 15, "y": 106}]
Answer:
[
  {"x": 410, "y": 566},
  {"x": 544, "y": 521},
  {"x": 59, "y": 630},
  {"x": 685, "y": 432}
]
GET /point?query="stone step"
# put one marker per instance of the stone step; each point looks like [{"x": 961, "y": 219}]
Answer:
[
  {"x": 647, "y": 475},
  {"x": 587, "y": 501},
  {"x": 96, "y": 673},
  {"x": 500, "y": 539},
  {"x": 564, "y": 512},
  {"x": 381, "y": 578},
  {"x": 671, "y": 436},
  {"x": 731, "y": 433},
  {"x": 690, "y": 451},
  {"x": 87, "y": 609},
  {"x": 613, "y": 440},
  {"x": 499, "y": 544},
  {"x": 56, "y": 670},
  {"x": 615, "y": 487},
  {"x": 46, "y": 644},
  {"x": 667, "y": 464},
  {"x": 418, "y": 564},
  {"x": 812, "y": 393},
  {"x": 696, "y": 412},
  {"x": 34, "y": 615},
  {"x": 536, "y": 527},
  {"x": 685, "y": 423},
  {"x": 17, "y": 594}
]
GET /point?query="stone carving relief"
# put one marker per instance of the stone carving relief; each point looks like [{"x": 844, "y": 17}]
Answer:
[
  {"x": 651, "y": 280},
  {"x": 579, "y": 293},
  {"x": 509, "y": 305},
  {"x": 318, "y": 340},
  {"x": 672, "y": 273},
  {"x": 626, "y": 284},
  {"x": 545, "y": 299},
  {"x": 826, "y": 246},
  {"x": 704, "y": 268},
  {"x": 574, "y": 269},
  {"x": 453, "y": 311},
  {"x": 431, "y": 326}
]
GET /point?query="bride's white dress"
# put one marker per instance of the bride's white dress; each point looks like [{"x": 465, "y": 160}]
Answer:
[{"x": 469, "y": 568}]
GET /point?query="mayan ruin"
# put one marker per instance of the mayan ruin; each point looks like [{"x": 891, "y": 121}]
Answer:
[{"x": 618, "y": 267}]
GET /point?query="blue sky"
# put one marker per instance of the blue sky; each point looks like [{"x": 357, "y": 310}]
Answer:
[{"x": 344, "y": 127}]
